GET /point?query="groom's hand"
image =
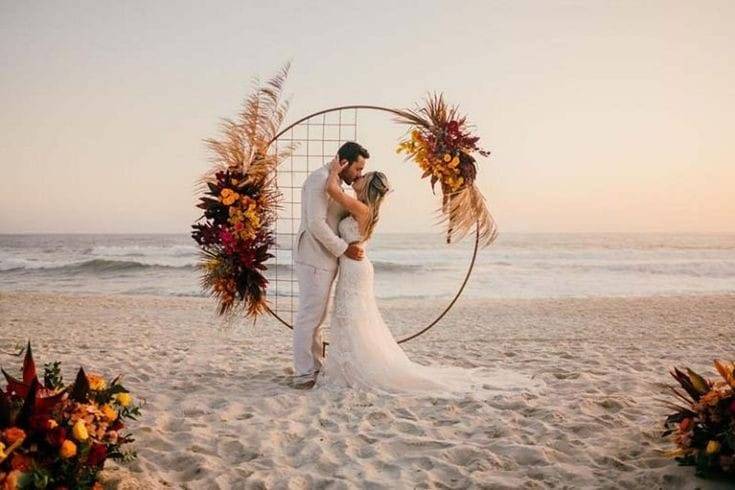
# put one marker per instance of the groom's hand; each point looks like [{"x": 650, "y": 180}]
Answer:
[{"x": 354, "y": 251}]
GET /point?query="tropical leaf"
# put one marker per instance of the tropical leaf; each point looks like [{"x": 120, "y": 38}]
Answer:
[{"x": 80, "y": 389}]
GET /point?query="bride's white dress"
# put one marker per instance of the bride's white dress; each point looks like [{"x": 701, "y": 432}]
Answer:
[{"x": 362, "y": 351}]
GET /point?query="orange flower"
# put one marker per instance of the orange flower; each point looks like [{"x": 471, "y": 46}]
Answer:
[
  {"x": 109, "y": 412},
  {"x": 68, "y": 449},
  {"x": 96, "y": 382},
  {"x": 11, "y": 481},
  {"x": 228, "y": 196},
  {"x": 13, "y": 434}
]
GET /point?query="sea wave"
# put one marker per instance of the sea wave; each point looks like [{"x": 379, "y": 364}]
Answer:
[
  {"x": 142, "y": 251},
  {"x": 86, "y": 266}
]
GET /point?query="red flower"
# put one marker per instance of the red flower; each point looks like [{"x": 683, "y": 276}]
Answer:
[
  {"x": 39, "y": 422},
  {"x": 228, "y": 240},
  {"x": 97, "y": 455},
  {"x": 20, "y": 462},
  {"x": 56, "y": 436}
]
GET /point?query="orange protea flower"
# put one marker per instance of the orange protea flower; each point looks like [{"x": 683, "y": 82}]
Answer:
[
  {"x": 96, "y": 382},
  {"x": 726, "y": 370},
  {"x": 718, "y": 391},
  {"x": 13, "y": 434}
]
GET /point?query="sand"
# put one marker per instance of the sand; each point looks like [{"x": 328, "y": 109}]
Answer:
[{"x": 220, "y": 411}]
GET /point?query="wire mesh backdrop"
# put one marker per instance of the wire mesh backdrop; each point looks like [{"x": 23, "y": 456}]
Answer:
[{"x": 315, "y": 140}]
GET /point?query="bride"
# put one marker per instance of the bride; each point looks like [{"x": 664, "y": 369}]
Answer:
[{"x": 363, "y": 353}]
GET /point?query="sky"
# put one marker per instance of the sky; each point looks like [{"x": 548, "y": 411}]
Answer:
[{"x": 601, "y": 116}]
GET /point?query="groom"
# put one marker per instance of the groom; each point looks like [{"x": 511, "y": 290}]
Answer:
[{"x": 315, "y": 259}]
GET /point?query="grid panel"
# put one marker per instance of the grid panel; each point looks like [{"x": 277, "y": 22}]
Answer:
[{"x": 315, "y": 142}]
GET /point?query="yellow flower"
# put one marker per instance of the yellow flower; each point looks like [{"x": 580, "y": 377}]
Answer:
[
  {"x": 252, "y": 216},
  {"x": 447, "y": 157},
  {"x": 124, "y": 399},
  {"x": 109, "y": 412},
  {"x": 68, "y": 449},
  {"x": 2, "y": 451},
  {"x": 228, "y": 196},
  {"x": 454, "y": 162},
  {"x": 96, "y": 382},
  {"x": 80, "y": 431},
  {"x": 713, "y": 447}
]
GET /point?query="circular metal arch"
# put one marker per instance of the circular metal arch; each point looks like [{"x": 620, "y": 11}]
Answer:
[{"x": 477, "y": 228}]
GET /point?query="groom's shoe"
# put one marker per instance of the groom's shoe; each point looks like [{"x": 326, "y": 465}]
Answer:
[
  {"x": 305, "y": 381},
  {"x": 305, "y": 386}
]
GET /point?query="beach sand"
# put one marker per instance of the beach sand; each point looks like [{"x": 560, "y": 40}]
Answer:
[{"x": 219, "y": 410}]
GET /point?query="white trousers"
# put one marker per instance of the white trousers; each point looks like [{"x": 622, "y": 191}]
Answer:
[{"x": 315, "y": 287}]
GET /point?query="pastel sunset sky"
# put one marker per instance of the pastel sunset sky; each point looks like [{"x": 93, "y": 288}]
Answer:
[{"x": 602, "y": 116}]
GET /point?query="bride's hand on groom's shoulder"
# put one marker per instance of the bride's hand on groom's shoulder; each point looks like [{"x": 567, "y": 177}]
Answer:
[{"x": 336, "y": 165}]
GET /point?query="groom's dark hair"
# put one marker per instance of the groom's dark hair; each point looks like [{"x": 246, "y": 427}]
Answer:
[{"x": 351, "y": 150}]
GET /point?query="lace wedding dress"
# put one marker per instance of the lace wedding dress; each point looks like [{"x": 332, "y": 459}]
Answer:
[{"x": 362, "y": 351}]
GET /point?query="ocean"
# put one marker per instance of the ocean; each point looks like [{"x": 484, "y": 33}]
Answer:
[{"x": 406, "y": 265}]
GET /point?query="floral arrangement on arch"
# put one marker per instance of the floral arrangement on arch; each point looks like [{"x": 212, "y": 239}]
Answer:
[
  {"x": 703, "y": 427},
  {"x": 441, "y": 143},
  {"x": 240, "y": 200},
  {"x": 59, "y": 437}
]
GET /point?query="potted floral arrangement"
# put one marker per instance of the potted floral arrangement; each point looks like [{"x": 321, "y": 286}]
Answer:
[
  {"x": 57, "y": 436},
  {"x": 703, "y": 425}
]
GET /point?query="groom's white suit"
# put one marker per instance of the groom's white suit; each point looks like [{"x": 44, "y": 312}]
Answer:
[{"x": 316, "y": 250}]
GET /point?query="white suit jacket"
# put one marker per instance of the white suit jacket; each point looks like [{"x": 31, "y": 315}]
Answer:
[{"x": 317, "y": 242}]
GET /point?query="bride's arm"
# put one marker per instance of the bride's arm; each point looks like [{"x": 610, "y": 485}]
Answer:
[{"x": 356, "y": 208}]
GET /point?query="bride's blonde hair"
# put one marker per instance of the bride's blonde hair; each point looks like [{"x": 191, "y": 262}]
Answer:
[{"x": 372, "y": 194}]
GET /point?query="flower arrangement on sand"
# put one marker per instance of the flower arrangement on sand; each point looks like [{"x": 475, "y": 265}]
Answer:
[
  {"x": 441, "y": 143},
  {"x": 59, "y": 437},
  {"x": 240, "y": 198},
  {"x": 703, "y": 427}
]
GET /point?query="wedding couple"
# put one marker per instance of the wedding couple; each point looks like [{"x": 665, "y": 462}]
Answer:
[{"x": 331, "y": 243}]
